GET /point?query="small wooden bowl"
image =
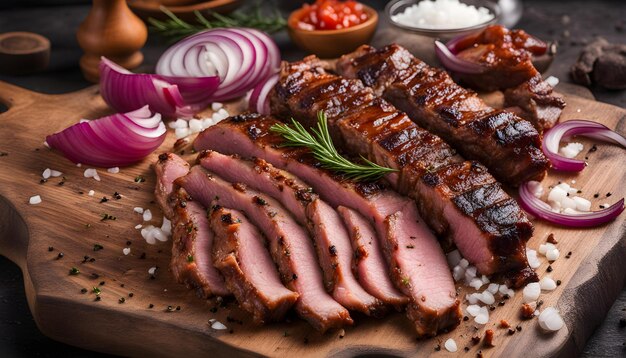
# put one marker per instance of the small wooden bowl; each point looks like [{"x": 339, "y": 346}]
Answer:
[
  {"x": 23, "y": 53},
  {"x": 146, "y": 9},
  {"x": 332, "y": 43}
]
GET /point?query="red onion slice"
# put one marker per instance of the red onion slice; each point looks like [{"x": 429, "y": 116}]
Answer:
[
  {"x": 552, "y": 139},
  {"x": 113, "y": 141},
  {"x": 241, "y": 58},
  {"x": 542, "y": 210},
  {"x": 259, "y": 100},
  {"x": 455, "y": 64}
]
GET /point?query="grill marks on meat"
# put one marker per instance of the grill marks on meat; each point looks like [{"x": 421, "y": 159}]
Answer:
[
  {"x": 168, "y": 168},
  {"x": 507, "y": 144},
  {"x": 425, "y": 263},
  {"x": 290, "y": 247},
  {"x": 428, "y": 172},
  {"x": 192, "y": 245},
  {"x": 332, "y": 242},
  {"x": 240, "y": 255},
  {"x": 369, "y": 263},
  {"x": 537, "y": 101}
]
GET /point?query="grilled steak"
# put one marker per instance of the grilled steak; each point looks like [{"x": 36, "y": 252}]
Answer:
[
  {"x": 491, "y": 233},
  {"x": 290, "y": 246},
  {"x": 240, "y": 255},
  {"x": 369, "y": 263},
  {"x": 431, "y": 288},
  {"x": 507, "y": 144},
  {"x": 537, "y": 101},
  {"x": 191, "y": 261},
  {"x": 332, "y": 242},
  {"x": 507, "y": 57},
  {"x": 168, "y": 168}
]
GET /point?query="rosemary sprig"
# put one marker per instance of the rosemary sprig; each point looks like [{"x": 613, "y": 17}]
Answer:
[
  {"x": 323, "y": 149},
  {"x": 175, "y": 28}
]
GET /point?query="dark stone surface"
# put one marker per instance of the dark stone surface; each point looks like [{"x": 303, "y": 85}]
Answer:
[{"x": 572, "y": 23}]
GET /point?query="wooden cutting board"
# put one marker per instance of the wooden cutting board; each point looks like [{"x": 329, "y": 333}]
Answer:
[{"x": 69, "y": 221}]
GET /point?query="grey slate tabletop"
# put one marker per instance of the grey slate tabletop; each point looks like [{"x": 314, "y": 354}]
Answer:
[{"x": 571, "y": 23}]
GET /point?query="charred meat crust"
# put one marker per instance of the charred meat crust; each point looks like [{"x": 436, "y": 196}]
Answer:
[{"x": 504, "y": 142}]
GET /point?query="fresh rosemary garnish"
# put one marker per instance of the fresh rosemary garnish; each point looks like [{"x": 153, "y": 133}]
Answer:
[
  {"x": 322, "y": 148},
  {"x": 175, "y": 28}
]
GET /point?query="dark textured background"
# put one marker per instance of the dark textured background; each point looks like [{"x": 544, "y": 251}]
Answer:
[{"x": 571, "y": 23}]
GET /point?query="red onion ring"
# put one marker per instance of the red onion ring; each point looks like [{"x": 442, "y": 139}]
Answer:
[
  {"x": 552, "y": 139},
  {"x": 542, "y": 210},
  {"x": 455, "y": 64},
  {"x": 240, "y": 57},
  {"x": 113, "y": 141},
  {"x": 259, "y": 99}
]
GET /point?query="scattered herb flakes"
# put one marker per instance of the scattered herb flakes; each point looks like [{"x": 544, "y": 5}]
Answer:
[
  {"x": 74, "y": 271},
  {"x": 332, "y": 250},
  {"x": 189, "y": 258},
  {"x": 87, "y": 226},
  {"x": 139, "y": 179},
  {"x": 410, "y": 246},
  {"x": 117, "y": 196},
  {"x": 106, "y": 216},
  {"x": 95, "y": 290},
  {"x": 405, "y": 281},
  {"x": 104, "y": 200},
  {"x": 97, "y": 247},
  {"x": 122, "y": 300}
]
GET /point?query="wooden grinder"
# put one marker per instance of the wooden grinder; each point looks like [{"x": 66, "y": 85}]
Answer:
[{"x": 111, "y": 30}]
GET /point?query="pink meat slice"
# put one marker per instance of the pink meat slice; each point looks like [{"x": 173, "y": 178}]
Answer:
[
  {"x": 250, "y": 274},
  {"x": 332, "y": 242},
  {"x": 290, "y": 246},
  {"x": 168, "y": 168},
  {"x": 369, "y": 264}
]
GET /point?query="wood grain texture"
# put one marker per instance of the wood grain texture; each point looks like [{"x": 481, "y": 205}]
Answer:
[{"x": 591, "y": 278}]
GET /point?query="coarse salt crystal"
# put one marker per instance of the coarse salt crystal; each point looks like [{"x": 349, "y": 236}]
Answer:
[
  {"x": 219, "y": 326},
  {"x": 464, "y": 263},
  {"x": 138, "y": 210},
  {"x": 493, "y": 288},
  {"x": 179, "y": 123},
  {"x": 458, "y": 273},
  {"x": 450, "y": 345},
  {"x": 216, "y": 106},
  {"x": 46, "y": 173},
  {"x": 473, "y": 298},
  {"x": 552, "y": 81},
  {"x": 148, "y": 234},
  {"x": 533, "y": 260},
  {"x": 152, "y": 270},
  {"x": 485, "y": 279},
  {"x": 220, "y": 115},
  {"x": 470, "y": 273},
  {"x": 543, "y": 248},
  {"x": 55, "y": 173},
  {"x": 91, "y": 173},
  {"x": 166, "y": 227},
  {"x": 550, "y": 320},
  {"x": 531, "y": 292},
  {"x": 487, "y": 298},
  {"x": 138, "y": 226},
  {"x": 91, "y": 193},
  {"x": 159, "y": 234},
  {"x": 147, "y": 215},
  {"x": 571, "y": 149},
  {"x": 552, "y": 255},
  {"x": 547, "y": 284},
  {"x": 195, "y": 125},
  {"x": 535, "y": 188},
  {"x": 34, "y": 200},
  {"x": 181, "y": 132},
  {"x": 113, "y": 170},
  {"x": 483, "y": 316},
  {"x": 473, "y": 310},
  {"x": 582, "y": 204},
  {"x": 442, "y": 14},
  {"x": 126, "y": 250},
  {"x": 476, "y": 283},
  {"x": 79, "y": 165},
  {"x": 503, "y": 289}
]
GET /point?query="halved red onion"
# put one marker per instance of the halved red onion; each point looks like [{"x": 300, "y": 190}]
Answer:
[
  {"x": 259, "y": 100},
  {"x": 540, "y": 209},
  {"x": 113, "y": 141},
  {"x": 552, "y": 139},
  {"x": 170, "y": 96},
  {"x": 240, "y": 57},
  {"x": 455, "y": 64}
]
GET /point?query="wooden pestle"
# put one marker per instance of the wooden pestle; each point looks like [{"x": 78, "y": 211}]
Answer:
[{"x": 111, "y": 30}]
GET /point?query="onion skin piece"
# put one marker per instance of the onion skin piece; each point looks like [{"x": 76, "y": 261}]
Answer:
[
  {"x": 540, "y": 209},
  {"x": 259, "y": 98},
  {"x": 117, "y": 140},
  {"x": 552, "y": 139},
  {"x": 452, "y": 63}
]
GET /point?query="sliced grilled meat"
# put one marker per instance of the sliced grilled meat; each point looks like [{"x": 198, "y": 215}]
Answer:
[
  {"x": 369, "y": 263},
  {"x": 249, "y": 135},
  {"x": 290, "y": 247},
  {"x": 538, "y": 102},
  {"x": 191, "y": 261},
  {"x": 332, "y": 242},
  {"x": 240, "y": 255},
  {"x": 429, "y": 171},
  {"x": 507, "y": 144},
  {"x": 168, "y": 168}
]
